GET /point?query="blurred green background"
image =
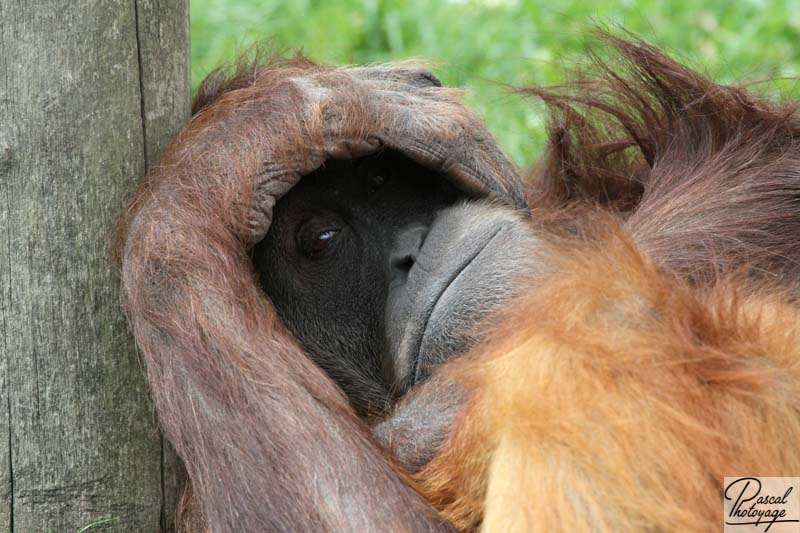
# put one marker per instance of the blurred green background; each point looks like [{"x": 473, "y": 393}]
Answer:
[{"x": 486, "y": 45}]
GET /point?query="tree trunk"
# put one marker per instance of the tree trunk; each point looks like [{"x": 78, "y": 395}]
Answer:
[{"x": 90, "y": 93}]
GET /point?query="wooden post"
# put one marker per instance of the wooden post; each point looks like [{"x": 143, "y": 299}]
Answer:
[{"x": 90, "y": 93}]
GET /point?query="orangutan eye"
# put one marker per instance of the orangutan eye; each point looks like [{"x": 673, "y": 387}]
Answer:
[
  {"x": 327, "y": 235},
  {"x": 315, "y": 237}
]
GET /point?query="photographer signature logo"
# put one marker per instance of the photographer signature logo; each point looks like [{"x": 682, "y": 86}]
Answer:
[{"x": 762, "y": 504}]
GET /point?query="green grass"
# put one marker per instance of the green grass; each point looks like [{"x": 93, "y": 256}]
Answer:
[
  {"x": 481, "y": 45},
  {"x": 99, "y": 524}
]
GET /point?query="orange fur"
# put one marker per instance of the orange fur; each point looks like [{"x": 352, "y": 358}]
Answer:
[
  {"x": 615, "y": 397},
  {"x": 660, "y": 352}
]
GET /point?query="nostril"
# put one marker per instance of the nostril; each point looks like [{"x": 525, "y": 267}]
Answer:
[
  {"x": 404, "y": 263},
  {"x": 405, "y": 251}
]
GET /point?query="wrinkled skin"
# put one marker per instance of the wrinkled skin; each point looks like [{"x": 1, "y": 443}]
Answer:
[
  {"x": 382, "y": 270},
  {"x": 338, "y": 240},
  {"x": 260, "y": 426},
  {"x": 627, "y": 368}
]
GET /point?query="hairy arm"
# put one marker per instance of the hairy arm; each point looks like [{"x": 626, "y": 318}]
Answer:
[{"x": 269, "y": 442}]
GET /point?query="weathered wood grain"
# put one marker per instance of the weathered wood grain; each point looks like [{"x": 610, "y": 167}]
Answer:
[{"x": 90, "y": 92}]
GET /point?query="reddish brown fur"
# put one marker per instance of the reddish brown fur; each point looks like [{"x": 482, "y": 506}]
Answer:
[
  {"x": 258, "y": 425},
  {"x": 660, "y": 353},
  {"x": 708, "y": 175},
  {"x": 641, "y": 369},
  {"x": 615, "y": 397}
]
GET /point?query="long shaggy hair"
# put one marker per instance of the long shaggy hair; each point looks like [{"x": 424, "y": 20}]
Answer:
[
  {"x": 660, "y": 351},
  {"x": 656, "y": 355},
  {"x": 707, "y": 176}
]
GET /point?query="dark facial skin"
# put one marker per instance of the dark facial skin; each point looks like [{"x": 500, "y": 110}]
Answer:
[
  {"x": 332, "y": 253},
  {"x": 381, "y": 269}
]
